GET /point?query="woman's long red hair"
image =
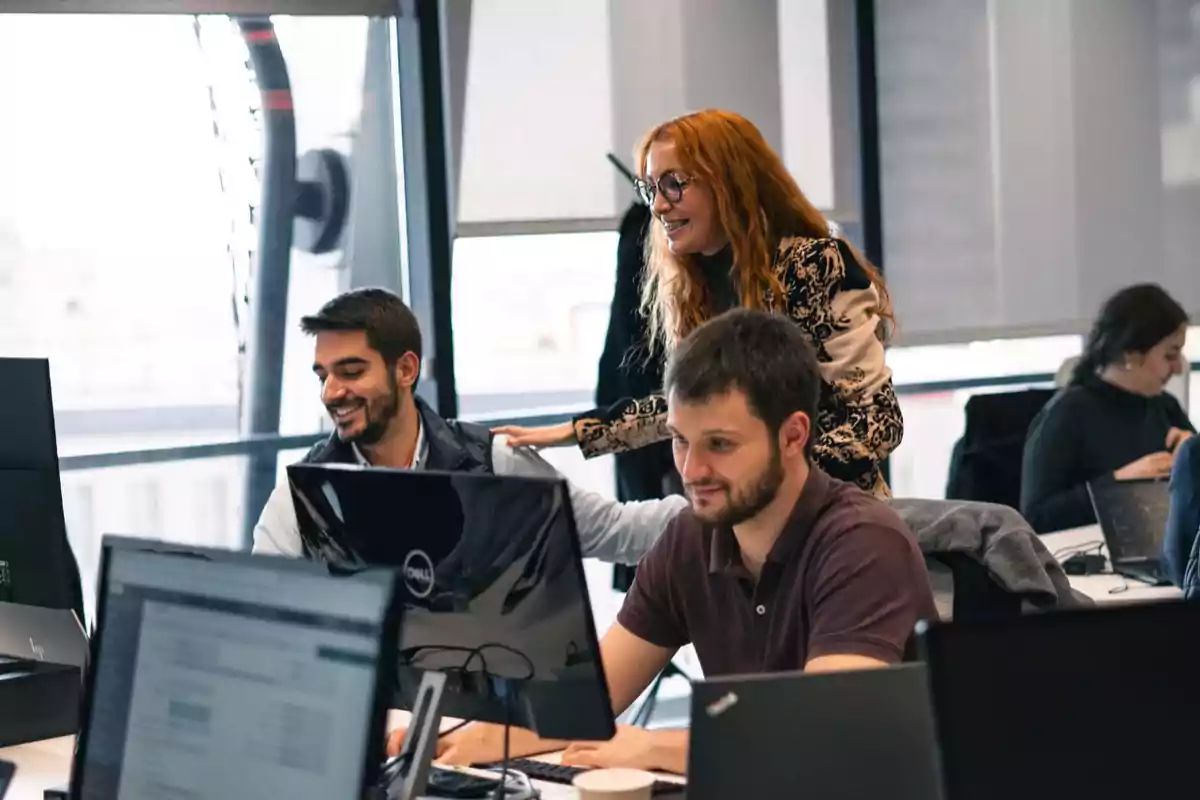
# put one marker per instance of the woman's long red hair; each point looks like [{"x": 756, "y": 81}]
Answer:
[{"x": 758, "y": 205}]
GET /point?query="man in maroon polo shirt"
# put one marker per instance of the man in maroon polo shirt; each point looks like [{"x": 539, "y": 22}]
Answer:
[{"x": 775, "y": 566}]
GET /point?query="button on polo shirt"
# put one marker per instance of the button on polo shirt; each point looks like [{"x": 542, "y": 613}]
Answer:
[{"x": 845, "y": 577}]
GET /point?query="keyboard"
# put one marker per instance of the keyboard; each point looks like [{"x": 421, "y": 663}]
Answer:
[
  {"x": 1148, "y": 572},
  {"x": 558, "y": 773}
]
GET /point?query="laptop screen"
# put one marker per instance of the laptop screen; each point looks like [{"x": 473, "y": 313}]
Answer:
[
  {"x": 220, "y": 679},
  {"x": 1132, "y": 516}
]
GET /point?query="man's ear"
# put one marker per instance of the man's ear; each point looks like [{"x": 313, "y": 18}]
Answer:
[
  {"x": 794, "y": 434},
  {"x": 408, "y": 369}
]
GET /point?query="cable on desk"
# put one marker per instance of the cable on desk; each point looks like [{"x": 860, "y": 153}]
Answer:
[{"x": 1078, "y": 549}]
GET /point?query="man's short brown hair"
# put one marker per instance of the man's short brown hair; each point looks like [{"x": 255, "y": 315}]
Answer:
[{"x": 764, "y": 355}]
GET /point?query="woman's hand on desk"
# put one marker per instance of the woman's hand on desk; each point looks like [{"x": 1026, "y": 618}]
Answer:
[
  {"x": 635, "y": 748},
  {"x": 547, "y": 436},
  {"x": 1176, "y": 437},
  {"x": 1155, "y": 465}
]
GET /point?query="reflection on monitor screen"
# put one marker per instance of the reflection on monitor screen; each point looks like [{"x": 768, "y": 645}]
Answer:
[{"x": 496, "y": 596}]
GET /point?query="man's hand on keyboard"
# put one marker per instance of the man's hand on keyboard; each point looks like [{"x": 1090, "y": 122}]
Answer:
[
  {"x": 480, "y": 743},
  {"x": 633, "y": 747}
]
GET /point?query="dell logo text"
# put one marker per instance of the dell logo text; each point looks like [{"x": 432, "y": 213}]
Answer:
[{"x": 418, "y": 573}]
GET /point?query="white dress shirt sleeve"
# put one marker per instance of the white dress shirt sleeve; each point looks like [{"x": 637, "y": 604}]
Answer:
[
  {"x": 278, "y": 532},
  {"x": 609, "y": 530}
]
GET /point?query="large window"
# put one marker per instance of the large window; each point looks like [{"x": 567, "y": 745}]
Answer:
[
  {"x": 113, "y": 227},
  {"x": 128, "y": 213},
  {"x": 530, "y": 315},
  {"x": 114, "y": 263}
]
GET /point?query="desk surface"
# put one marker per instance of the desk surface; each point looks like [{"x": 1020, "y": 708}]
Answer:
[
  {"x": 1107, "y": 588},
  {"x": 40, "y": 766},
  {"x": 44, "y": 765}
]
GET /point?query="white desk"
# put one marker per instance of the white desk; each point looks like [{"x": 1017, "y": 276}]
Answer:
[
  {"x": 44, "y": 765},
  {"x": 1107, "y": 588},
  {"x": 40, "y": 766}
]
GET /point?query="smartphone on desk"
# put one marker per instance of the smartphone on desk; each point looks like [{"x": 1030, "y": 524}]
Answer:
[{"x": 7, "y": 768}]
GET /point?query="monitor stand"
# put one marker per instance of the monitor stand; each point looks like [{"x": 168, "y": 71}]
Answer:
[
  {"x": 420, "y": 740},
  {"x": 410, "y": 779}
]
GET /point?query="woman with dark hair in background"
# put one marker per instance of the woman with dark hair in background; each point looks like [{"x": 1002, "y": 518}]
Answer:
[
  {"x": 732, "y": 229},
  {"x": 1115, "y": 421}
]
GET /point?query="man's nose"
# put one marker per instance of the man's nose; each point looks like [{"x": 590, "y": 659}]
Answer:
[
  {"x": 332, "y": 391},
  {"x": 692, "y": 466}
]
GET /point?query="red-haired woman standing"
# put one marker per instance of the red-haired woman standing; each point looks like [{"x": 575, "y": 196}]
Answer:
[{"x": 732, "y": 228}]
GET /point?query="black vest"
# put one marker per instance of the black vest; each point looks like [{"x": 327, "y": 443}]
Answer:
[{"x": 451, "y": 446}]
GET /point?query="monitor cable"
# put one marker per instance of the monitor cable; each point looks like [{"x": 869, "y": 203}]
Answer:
[
  {"x": 520, "y": 788},
  {"x": 502, "y": 786}
]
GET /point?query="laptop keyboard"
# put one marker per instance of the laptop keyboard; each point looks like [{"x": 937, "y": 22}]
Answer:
[{"x": 1147, "y": 572}]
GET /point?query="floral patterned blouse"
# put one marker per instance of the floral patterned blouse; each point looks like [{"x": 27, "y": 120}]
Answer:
[{"x": 858, "y": 417}]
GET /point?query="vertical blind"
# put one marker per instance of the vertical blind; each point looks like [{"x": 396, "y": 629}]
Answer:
[{"x": 1036, "y": 155}]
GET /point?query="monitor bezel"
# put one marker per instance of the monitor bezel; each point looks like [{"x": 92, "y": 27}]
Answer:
[{"x": 384, "y": 666}]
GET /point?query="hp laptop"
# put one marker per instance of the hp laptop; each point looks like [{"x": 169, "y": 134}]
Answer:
[
  {"x": 833, "y": 736},
  {"x": 43, "y": 665},
  {"x": 219, "y": 675},
  {"x": 1133, "y": 520},
  {"x": 34, "y": 633}
]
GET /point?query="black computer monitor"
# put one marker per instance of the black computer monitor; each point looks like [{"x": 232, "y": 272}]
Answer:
[
  {"x": 223, "y": 674},
  {"x": 1094, "y": 703},
  {"x": 495, "y": 591},
  {"x": 37, "y": 565}
]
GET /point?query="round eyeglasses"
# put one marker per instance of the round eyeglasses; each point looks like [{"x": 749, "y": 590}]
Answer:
[{"x": 670, "y": 185}]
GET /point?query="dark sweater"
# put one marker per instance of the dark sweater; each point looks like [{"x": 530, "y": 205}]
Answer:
[
  {"x": 1085, "y": 433},
  {"x": 719, "y": 281}
]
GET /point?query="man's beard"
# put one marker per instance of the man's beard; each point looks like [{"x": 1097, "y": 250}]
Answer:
[
  {"x": 380, "y": 413},
  {"x": 748, "y": 501}
]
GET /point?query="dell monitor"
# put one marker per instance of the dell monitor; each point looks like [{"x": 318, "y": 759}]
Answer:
[
  {"x": 493, "y": 584},
  {"x": 221, "y": 675},
  {"x": 37, "y": 565}
]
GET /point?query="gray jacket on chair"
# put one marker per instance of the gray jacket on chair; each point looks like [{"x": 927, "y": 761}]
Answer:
[{"x": 1000, "y": 539}]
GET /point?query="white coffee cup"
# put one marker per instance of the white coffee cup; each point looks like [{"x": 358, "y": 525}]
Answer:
[{"x": 614, "y": 784}]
